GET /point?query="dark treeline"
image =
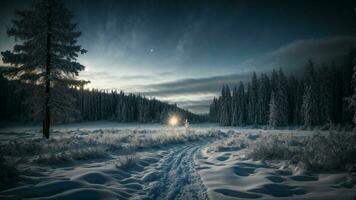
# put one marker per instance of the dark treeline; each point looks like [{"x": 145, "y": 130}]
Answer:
[
  {"x": 89, "y": 105},
  {"x": 317, "y": 98},
  {"x": 114, "y": 105}
]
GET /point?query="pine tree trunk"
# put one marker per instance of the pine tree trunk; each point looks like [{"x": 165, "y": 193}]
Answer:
[{"x": 46, "y": 121}]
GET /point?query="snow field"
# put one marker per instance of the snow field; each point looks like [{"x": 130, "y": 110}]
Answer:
[{"x": 179, "y": 163}]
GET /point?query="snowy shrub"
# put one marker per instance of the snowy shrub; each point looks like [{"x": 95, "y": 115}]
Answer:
[
  {"x": 53, "y": 158},
  {"x": 334, "y": 151},
  {"x": 234, "y": 143},
  {"x": 318, "y": 152},
  {"x": 275, "y": 147},
  {"x": 88, "y": 153},
  {"x": 72, "y": 155}
]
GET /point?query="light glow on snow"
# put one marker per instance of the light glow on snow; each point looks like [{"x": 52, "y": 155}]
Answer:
[{"x": 173, "y": 120}]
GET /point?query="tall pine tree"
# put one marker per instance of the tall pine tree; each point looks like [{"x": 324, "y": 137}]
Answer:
[
  {"x": 45, "y": 55},
  {"x": 241, "y": 104},
  {"x": 234, "y": 106},
  {"x": 225, "y": 115},
  {"x": 273, "y": 112},
  {"x": 310, "y": 97},
  {"x": 352, "y": 101},
  {"x": 282, "y": 99},
  {"x": 264, "y": 95},
  {"x": 325, "y": 91},
  {"x": 253, "y": 100}
]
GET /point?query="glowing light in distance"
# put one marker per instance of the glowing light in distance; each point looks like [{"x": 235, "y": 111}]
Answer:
[{"x": 173, "y": 120}]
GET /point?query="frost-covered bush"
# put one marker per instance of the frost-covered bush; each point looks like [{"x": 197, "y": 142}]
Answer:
[
  {"x": 334, "y": 151},
  {"x": 320, "y": 152},
  {"x": 164, "y": 138},
  {"x": 233, "y": 143},
  {"x": 68, "y": 156},
  {"x": 275, "y": 147}
]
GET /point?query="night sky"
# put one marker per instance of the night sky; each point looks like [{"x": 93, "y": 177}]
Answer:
[{"x": 183, "y": 51}]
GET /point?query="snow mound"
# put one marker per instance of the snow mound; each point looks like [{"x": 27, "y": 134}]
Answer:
[
  {"x": 246, "y": 166},
  {"x": 94, "y": 178}
]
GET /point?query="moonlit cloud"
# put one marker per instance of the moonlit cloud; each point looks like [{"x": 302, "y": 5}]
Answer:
[
  {"x": 294, "y": 56},
  {"x": 192, "y": 85}
]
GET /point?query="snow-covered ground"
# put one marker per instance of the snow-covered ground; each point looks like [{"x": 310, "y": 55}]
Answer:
[{"x": 107, "y": 160}]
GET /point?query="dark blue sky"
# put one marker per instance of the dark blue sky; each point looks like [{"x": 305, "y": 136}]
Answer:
[{"x": 183, "y": 51}]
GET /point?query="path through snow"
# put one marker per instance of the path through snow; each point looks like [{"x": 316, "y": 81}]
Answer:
[{"x": 178, "y": 176}]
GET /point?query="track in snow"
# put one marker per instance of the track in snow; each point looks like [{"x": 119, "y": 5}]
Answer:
[{"x": 179, "y": 178}]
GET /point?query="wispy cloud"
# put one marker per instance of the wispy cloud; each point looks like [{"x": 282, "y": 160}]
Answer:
[
  {"x": 193, "y": 85},
  {"x": 198, "y": 106},
  {"x": 187, "y": 40},
  {"x": 295, "y": 55}
]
